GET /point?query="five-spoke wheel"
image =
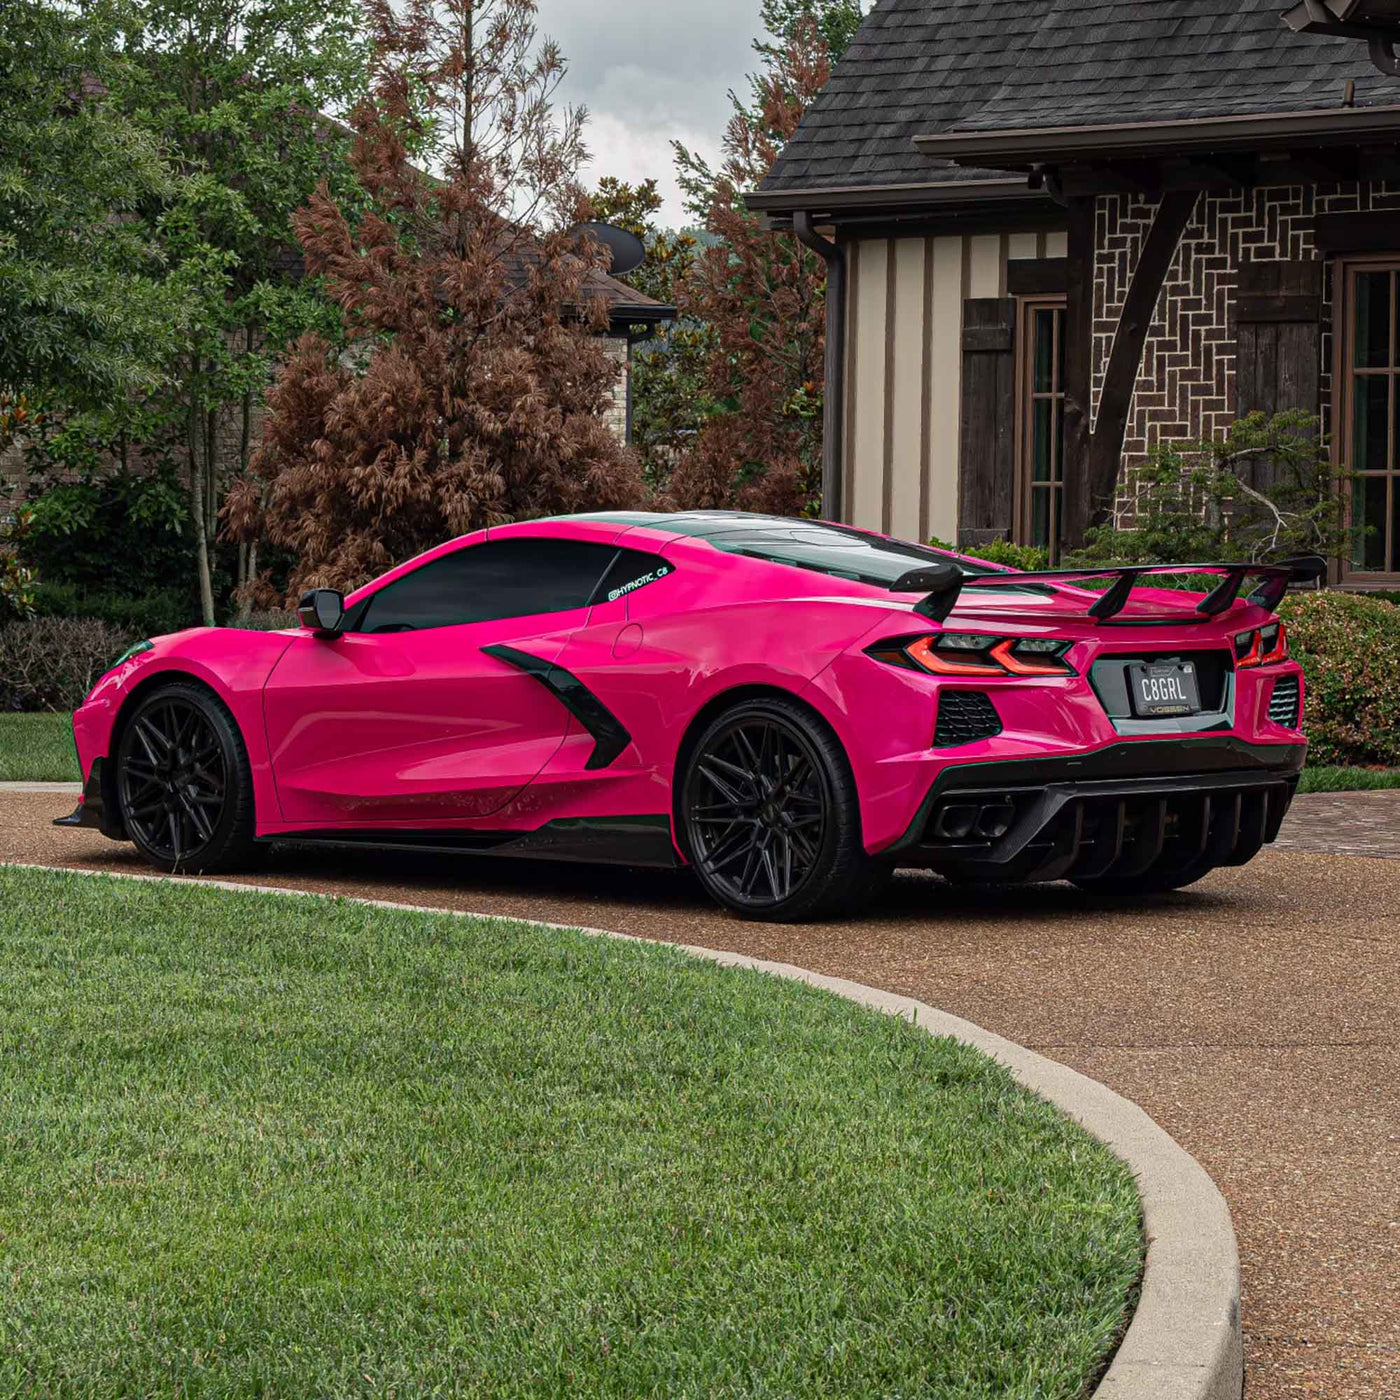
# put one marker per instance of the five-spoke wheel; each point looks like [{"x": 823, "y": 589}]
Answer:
[
  {"x": 183, "y": 782},
  {"x": 769, "y": 813}
]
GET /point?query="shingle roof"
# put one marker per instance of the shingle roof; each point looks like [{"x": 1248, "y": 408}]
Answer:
[{"x": 924, "y": 66}]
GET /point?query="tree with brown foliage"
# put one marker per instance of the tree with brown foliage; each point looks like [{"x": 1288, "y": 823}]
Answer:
[
  {"x": 763, "y": 297},
  {"x": 473, "y": 387}
]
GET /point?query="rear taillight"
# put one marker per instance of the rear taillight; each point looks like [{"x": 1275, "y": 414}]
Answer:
[
  {"x": 1262, "y": 647},
  {"x": 970, "y": 654}
]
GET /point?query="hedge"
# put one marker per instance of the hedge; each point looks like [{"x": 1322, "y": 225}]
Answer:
[
  {"x": 50, "y": 663},
  {"x": 1349, "y": 647}
]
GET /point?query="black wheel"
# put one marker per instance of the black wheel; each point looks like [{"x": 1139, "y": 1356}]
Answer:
[
  {"x": 184, "y": 783},
  {"x": 770, "y": 817},
  {"x": 1154, "y": 882}
]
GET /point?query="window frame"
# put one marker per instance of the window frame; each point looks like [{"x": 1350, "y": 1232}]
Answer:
[
  {"x": 1025, "y": 487},
  {"x": 364, "y": 606},
  {"x": 1344, "y": 378}
]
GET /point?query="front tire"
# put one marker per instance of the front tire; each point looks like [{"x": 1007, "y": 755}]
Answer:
[
  {"x": 770, "y": 816},
  {"x": 184, "y": 782}
]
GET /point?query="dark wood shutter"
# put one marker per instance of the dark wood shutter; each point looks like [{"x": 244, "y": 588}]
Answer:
[
  {"x": 987, "y": 444},
  {"x": 1278, "y": 314}
]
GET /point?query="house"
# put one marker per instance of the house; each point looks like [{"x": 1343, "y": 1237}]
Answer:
[{"x": 1062, "y": 231}]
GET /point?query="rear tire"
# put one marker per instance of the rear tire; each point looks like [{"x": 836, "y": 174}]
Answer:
[
  {"x": 770, "y": 817},
  {"x": 184, "y": 783}
]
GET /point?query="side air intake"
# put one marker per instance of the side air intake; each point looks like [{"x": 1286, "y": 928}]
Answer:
[
  {"x": 1283, "y": 703},
  {"x": 964, "y": 717}
]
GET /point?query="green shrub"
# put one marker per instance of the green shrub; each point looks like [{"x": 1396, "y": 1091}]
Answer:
[
  {"x": 1349, "y": 647},
  {"x": 16, "y": 586},
  {"x": 148, "y": 615},
  {"x": 1026, "y": 557},
  {"x": 51, "y": 663}
]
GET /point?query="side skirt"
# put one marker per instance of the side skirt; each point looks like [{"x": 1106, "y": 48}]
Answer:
[{"x": 641, "y": 840}]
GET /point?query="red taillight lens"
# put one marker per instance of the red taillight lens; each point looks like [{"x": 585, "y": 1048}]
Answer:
[
  {"x": 962, "y": 654},
  {"x": 1020, "y": 660},
  {"x": 1263, "y": 647},
  {"x": 948, "y": 662}
]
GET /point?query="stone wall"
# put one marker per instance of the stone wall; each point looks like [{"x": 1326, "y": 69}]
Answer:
[{"x": 1186, "y": 385}]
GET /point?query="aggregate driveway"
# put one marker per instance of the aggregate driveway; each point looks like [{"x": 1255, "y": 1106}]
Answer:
[{"x": 1254, "y": 1017}]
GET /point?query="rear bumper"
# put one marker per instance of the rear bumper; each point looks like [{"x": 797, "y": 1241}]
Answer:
[{"x": 1120, "y": 811}]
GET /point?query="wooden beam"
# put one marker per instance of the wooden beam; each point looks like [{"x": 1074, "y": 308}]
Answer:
[
  {"x": 1325, "y": 166},
  {"x": 1079, "y": 355},
  {"x": 1105, "y": 456},
  {"x": 1235, "y": 169}
]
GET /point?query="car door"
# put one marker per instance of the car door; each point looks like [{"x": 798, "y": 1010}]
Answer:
[{"x": 404, "y": 719}]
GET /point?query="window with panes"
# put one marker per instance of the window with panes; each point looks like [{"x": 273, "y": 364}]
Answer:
[
  {"x": 1370, "y": 423},
  {"x": 1040, "y": 433}
]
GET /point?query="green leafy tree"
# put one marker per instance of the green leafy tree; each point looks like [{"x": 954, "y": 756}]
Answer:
[
  {"x": 84, "y": 317},
  {"x": 669, "y": 397},
  {"x": 236, "y": 92},
  {"x": 836, "y": 21}
]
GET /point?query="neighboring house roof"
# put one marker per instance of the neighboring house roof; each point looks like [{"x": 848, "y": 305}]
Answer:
[
  {"x": 626, "y": 305},
  {"x": 923, "y": 67}
]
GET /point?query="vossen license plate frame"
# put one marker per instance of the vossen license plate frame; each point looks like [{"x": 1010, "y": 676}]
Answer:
[{"x": 1164, "y": 689}]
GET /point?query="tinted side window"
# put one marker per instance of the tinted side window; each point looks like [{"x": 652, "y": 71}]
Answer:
[
  {"x": 484, "y": 582},
  {"x": 631, "y": 570}
]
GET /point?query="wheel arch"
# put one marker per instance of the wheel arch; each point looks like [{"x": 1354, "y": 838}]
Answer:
[
  {"x": 156, "y": 680},
  {"x": 716, "y": 705}
]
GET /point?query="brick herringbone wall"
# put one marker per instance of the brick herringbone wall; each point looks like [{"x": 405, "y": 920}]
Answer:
[{"x": 1186, "y": 384}]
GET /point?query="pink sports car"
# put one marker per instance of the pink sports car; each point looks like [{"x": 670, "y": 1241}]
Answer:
[{"x": 790, "y": 708}]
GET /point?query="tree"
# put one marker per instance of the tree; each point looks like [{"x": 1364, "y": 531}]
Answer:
[
  {"x": 83, "y": 316},
  {"x": 836, "y": 21},
  {"x": 1193, "y": 500},
  {"x": 763, "y": 297},
  {"x": 235, "y": 92},
  {"x": 669, "y": 399},
  {"x": 475, "y": 383}
]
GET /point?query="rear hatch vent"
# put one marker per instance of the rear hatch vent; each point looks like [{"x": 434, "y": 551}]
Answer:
[
  {"x": 1283, "y": 703},
  {"x": 964, "y": 717}
]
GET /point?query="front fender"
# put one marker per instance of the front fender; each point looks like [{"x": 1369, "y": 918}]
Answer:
[{"x": 233, "y": 664}]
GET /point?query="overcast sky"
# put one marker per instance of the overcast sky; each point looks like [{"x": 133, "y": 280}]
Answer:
[{"x": 651, "y": 72}]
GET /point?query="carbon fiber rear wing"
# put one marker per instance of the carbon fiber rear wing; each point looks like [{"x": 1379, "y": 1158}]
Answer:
[{"x": 943, "y": 584}]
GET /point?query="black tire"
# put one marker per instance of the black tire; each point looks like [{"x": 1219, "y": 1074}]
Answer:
[
  {"x": 770, "y": 818},
  {"x": 184, "y": 783},
  {"x": 1154, "y": 882}
]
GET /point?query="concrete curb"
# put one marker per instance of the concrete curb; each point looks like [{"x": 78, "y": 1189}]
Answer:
[
  {"x": 1184, "y": 1342},
  {"x": 74, "y": 789}
]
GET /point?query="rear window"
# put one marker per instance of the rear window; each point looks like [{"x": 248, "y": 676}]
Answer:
[{"x": 848, "y": 554}]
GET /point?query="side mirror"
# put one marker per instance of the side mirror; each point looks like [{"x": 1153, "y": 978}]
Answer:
[{"x": 322, "y": 610}]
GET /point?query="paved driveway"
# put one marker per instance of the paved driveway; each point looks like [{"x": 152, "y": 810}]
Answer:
[{"x": 1255, "y": 1017}]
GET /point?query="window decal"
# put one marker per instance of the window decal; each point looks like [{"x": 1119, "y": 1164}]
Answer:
[{"x": 659, "y": 572}]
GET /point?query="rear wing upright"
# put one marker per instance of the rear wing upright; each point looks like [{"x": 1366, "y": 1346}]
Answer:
[{"x": 943, "y": 584}]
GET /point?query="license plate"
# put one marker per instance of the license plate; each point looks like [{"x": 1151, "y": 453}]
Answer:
[{"x": 1164, "y": 688}]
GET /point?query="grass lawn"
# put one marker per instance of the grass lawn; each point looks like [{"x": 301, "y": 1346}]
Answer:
[
  {"x": 37, "y": 749},
  {"x": 261, "y": 1145},
  {"x": 1348, "y": 779}
]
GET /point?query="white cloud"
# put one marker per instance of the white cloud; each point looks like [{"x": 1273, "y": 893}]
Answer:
[{"x": 650, "y": 73}]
